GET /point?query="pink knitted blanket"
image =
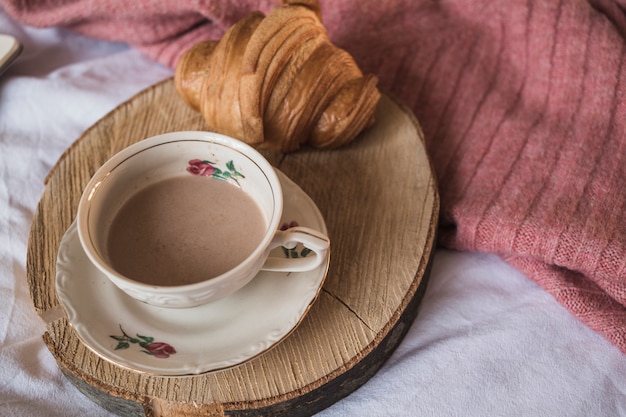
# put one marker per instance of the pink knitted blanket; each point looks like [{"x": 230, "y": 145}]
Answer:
[{"x": 523, "y": 105}]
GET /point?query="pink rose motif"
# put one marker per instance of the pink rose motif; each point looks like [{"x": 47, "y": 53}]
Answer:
[
  {"x": 148, "y": 346},
  {"x": 289, "y": 225},
  {"x": 160, "y": 350},
  {"x": 294, "y": 252},
  {"x": 200, "y": 167}
]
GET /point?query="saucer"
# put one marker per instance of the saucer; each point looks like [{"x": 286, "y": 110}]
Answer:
[{"x": 191, "y": 341}]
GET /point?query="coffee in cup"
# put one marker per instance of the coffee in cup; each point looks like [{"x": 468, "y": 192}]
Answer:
[{"x": 185, "y": 218}]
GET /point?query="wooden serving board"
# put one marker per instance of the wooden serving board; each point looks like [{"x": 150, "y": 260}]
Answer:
[{"x": 379, "y": 198}]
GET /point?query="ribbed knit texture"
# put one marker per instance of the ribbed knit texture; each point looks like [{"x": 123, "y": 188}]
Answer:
[{"x": 522, "y": 104}]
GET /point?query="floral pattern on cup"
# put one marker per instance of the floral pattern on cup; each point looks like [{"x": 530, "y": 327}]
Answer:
[
  {"x": 159, "y": 350},
  {"x": 207, "y": 168},
  {"x": 295, "y": 252}
]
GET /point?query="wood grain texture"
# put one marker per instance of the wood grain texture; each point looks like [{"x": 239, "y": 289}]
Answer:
[{"x": 379, "y": 198}]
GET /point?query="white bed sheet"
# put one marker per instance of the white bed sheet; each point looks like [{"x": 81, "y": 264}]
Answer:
[{"x": 487, "y": 340}]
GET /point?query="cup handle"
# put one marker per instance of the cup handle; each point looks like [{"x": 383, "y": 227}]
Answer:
[{"x": 317, "y": 242}]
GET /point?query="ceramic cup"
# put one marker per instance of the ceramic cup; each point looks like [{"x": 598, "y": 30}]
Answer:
[{"x": 174, "y": 154}]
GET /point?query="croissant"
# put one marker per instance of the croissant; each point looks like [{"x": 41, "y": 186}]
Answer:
[{"x": 277, "y": 82}]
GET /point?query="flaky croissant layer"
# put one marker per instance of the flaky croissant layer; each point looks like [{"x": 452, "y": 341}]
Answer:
[{"x": 277, "y": 82}]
